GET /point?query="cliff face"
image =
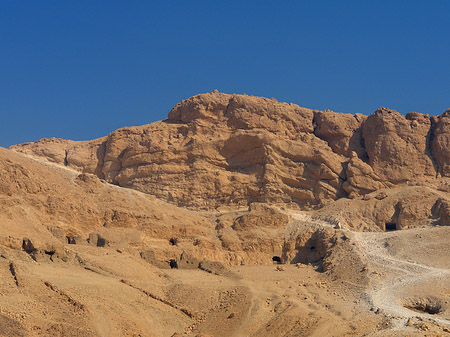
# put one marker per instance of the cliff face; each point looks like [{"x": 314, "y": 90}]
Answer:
[{"x": 217, "y": 149}]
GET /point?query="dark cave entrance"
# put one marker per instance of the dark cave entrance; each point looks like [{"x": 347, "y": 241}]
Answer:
[
  {"x": 390, "y": 226},
  {"x": 71, "y": 240},
  {"x": 276, "y": 259},
  {"x": 173, "y": 264},
  {"x": 101, "y": 242}
]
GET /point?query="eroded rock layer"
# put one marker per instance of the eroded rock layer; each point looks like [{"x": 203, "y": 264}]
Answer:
[{"x": 217, "y": 149}]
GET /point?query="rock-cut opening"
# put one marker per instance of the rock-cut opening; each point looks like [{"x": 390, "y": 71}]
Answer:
[
  {"x": 49, "y": 252},
  {"x": 173, "y": 264},
  {"x": 101, "y": 242},
  {"x": 71, "y": 240},
  {"x": 390, "y": 226},
  {"x": 276, "y": 259}
]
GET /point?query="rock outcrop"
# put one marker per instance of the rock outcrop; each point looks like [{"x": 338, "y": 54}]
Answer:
[
  {"x": 398, "y": 146},
  {"x": 219, "y": 150},
  {"x": 441, "y": 142}
]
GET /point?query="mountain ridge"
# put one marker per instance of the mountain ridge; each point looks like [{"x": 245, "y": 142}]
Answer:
[{"x": 217, "y": 149}]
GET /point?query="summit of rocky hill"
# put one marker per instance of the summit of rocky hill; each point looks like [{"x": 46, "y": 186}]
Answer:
[{"x": 218, "y": 150}]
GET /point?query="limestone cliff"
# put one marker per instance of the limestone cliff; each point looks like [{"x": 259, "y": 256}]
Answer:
[{"x": 218, "y": 150}]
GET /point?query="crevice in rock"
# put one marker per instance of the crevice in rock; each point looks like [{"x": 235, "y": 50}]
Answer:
[
  {"x": 169, "y": 121},
  {"x": 157, "y": 298},
  {"x": 315, "y": 127},
  {"x": 314, "y": 124},
  {"x": 364, "y": 156},
  {"x": 66, "y": 162},
  {"x": 343, "y": 174},
  {"x": 429, "y": 146},
  {"x": 100, "y": 153},
  {"x": 12, "y": 269},
  {"x": 66, "y": 297},
  {"x": 225, "y": 112}
]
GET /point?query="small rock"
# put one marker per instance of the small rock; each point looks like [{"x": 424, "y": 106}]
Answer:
[{"x": 381, "y": 196}]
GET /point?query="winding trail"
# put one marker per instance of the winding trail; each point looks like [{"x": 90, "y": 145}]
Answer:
[
  {"x": 399, "y": 273},
  {"x": 393, "y": 278}
]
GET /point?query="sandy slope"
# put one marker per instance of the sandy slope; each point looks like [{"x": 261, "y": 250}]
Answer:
[{"x": 86, "y": 276}]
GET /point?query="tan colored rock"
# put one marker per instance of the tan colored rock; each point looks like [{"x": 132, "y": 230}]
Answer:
[
  {"x": 404, "y": 207},
  {"x": 217, "y": 150},
  {"x": 441, "y": 142},
  {"x": 261, "y": 215},
  {"x": 83, "y": 156},
  {"x": 214, "y": 150},
  {"x": 397, "y": 146},
  {"x": 74, "y": 248},
  {"x": 442, "y": 210},
  {"x": 308, "y": 245},
  {"x": 361, "y": 179},
  {"x": 341, "y": 131}
]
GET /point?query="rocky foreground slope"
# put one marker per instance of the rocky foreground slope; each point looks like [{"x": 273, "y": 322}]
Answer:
[{"x": 282, "y": 232}]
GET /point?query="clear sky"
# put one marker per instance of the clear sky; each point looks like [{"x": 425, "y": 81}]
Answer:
[{"x": 79, "y": 69}]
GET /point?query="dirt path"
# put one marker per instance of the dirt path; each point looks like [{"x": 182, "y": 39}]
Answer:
[{"x": 398, "y": 274}]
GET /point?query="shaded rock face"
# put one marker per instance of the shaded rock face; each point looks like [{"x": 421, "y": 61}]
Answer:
[
  {"x": 217, "y": 149},
  {"x": 397, "y": 146},
  {"x": 309, "y": 246},
  {"x": 401, "y": 208},
  {"x": 261, "y": 215},
  {"x": 342, "y": 132},
  {"x": 442, "y": 211},
  {"x": 441, "y": 142}
]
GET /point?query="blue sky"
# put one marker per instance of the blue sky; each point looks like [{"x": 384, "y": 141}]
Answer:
[{"x": 83, "y": 68}]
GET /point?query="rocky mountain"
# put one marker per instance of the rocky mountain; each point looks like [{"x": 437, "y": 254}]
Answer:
[
  {"x": 216, "y": 149},
  {"x": 235, "y": 216}
]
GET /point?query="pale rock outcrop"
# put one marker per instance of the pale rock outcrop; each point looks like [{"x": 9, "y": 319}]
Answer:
[
  {"x": 308, "y": 245},
  {"x": 342, "y": 131},
  {"x": 401, "y": 207},
  {"x": 441, "y": 142},
  {"x": 361, "y": 179},
  {"x": 217, "y": 150},
  {"x": 397, "y": 146},
  {"x": 213, "y": 150},
  {"x": 261, "y": 215},
  {"x": 441, "y": 210}
]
